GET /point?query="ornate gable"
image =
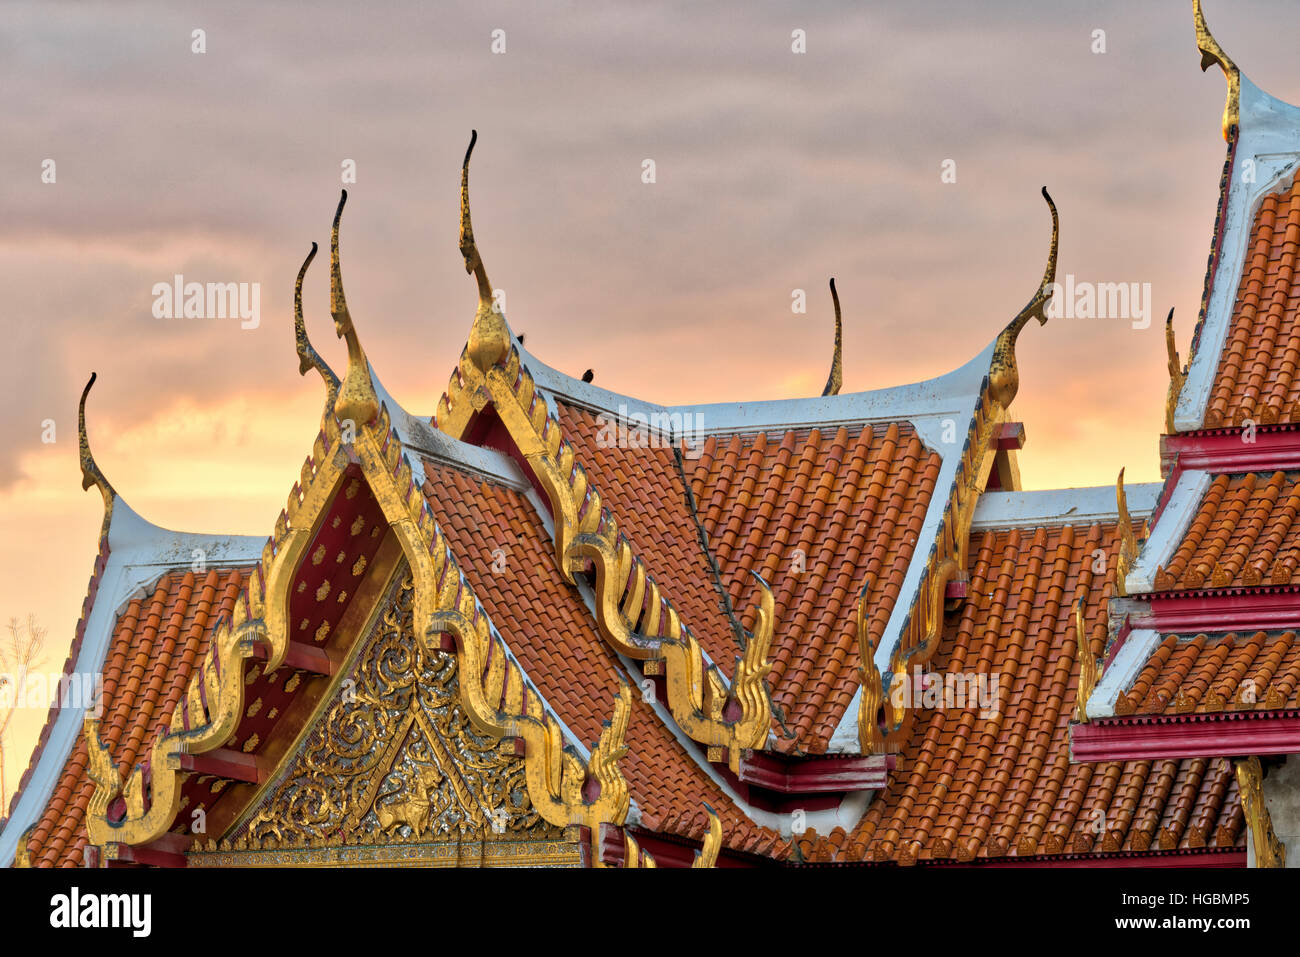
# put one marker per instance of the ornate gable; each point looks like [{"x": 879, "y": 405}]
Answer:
[{"x": 390, "y": 768}]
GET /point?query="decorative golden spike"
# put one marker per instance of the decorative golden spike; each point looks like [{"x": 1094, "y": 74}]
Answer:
[
  {"x": 356, "y": 399},
  {"x": 870, "y": 739},
  {"x": 1004, "y": 376},
  {"x": 1089, "y": 675},
  {"x": 90, "y": 471},
  {"x": 1269, "y": 851},
  {"x": 489, "y": 339},
  {"x": 609, "y": 750},
  {"x": 1128, "y": 545},
  {"x": 707, "y": 856},
  {"x": 23, "y": 854},
  {"x": 836, "y": 378},
  {"x": 1212, "y": 53},
  {"x": 308, "y": 357},
  {"x": 1177, "y": 375}
]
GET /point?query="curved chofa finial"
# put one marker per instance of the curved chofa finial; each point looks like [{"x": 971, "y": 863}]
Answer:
[
  {"x": 1177, "y": 374},
  {"x": 1128, "y": 545},
  {"x": 356, "y": 400},
  {"x": 489, "y": 339},
  {"x": 308, "y": 357},
  {"x": 1004, "y": 376},
  {"x": 90, "y": 471},
  {"x": 1212, "y": 53},
  {"x": 836, "y": 378}
]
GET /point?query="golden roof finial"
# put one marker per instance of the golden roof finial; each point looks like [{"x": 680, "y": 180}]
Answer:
[
  {"x": 90, "y": 471},
  {"x": 356, "y": 400},
  {"x": 836, "y": 378},
  {"x": 1177, "y": 376},
  {"x": 1004, "y": 376},
  {"x": 1088, "y": 674},
  {"x": 1212, "y": 53},
  {"x": 489, "y": 339},
  {"x": 308, "y": 357},
  {"x": 1128, "y": 546},
  {"x": 708, "y": 853}
]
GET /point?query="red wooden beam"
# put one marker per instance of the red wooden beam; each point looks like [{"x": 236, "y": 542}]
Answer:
[
  {"x": 815, "y": 775},
  {"x": 1192, "y": 736},
  {"x": 1011, "y": 437},
  {"x": 1272, "y": 448},
  {"x": 956, "y": 588},
  {"x": 303, "y": 657},
  {"x": 1236, "y": 609},
  {"x": 167, "y": 851},
  {"x": 232, "y": 765}
]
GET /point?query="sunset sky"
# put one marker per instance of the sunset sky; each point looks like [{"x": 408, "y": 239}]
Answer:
[{"x": 774, "y": 171}]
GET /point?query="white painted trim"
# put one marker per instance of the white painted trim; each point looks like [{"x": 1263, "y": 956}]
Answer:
[
  {"x": 1123, "y": 671},
  {"x": 1168, "y": 531},
  {"x": 1268, "y": 135},
  {"x": 138, "y": 554},
  {"x": 420, "y": 439},
  {"x": 946, "y": 394},
  {"x": 1067, "y": 506}
]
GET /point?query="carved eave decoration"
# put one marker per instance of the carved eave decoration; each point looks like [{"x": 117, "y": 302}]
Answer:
[
  {"x": 356, "y": 431},
  {"x": 1177, "y": 374},
  {"x": 633, "y": 615},
  {"x": 948, "y": 555},
  {"x": 1212, "y": 54},
  {"x": 1269, "y": 851},
  {"x": 1128, "y": 543},
  {"x": 1089, "y": 672}
]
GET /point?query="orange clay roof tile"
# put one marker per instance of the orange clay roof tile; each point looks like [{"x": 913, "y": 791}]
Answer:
[
  {"x": 1244, "y": 533},
  {"x": 549, "y": 629},
  {"x": 818, "y": 514},
  {"x": 970, "y": 786},
  {"x": 144, "y": 678},
  {"x": 1257, "y": 378},
  {"x": 1209, "y": 674}
]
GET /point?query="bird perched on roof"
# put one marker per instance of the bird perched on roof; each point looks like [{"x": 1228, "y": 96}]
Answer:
[{"x": 588, "y": 376}]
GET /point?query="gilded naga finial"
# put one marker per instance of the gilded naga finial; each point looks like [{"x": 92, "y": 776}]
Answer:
[
  {"x": 870, "y": 738},
  {"x": 1212, "y": 53},
  {"x": 489, "y": 339},
  {"x": 308, "y": 357},
  {"x": 1177, "y": 375},
  {"x": 1004, "y": 376},
  {"x": 1088, "y": 673},
  {"x": 356, "y": 400},
  {"x": 836, "y": 378},
  {"x": 90, "y": 471},
  {"x": 707, "y": 856},
  {"x": 1128, "y": 545}
]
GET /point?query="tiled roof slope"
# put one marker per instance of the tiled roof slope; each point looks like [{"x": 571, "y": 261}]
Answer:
[
  {"x": 644, "y": 491},
  {"x": 1215, "y": 673},
  {"x": 155, "y": 645},
  {"x": 1257, "y": 375},
  {"x": 970, "y": 789},
  {"x": 509, "y": 561},
  {"x": 1245, "y": 532},
  {"x": 818, "y": 514}
]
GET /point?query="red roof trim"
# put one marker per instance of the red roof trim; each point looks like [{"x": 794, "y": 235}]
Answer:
[{"x": 1170, "y": 737}]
